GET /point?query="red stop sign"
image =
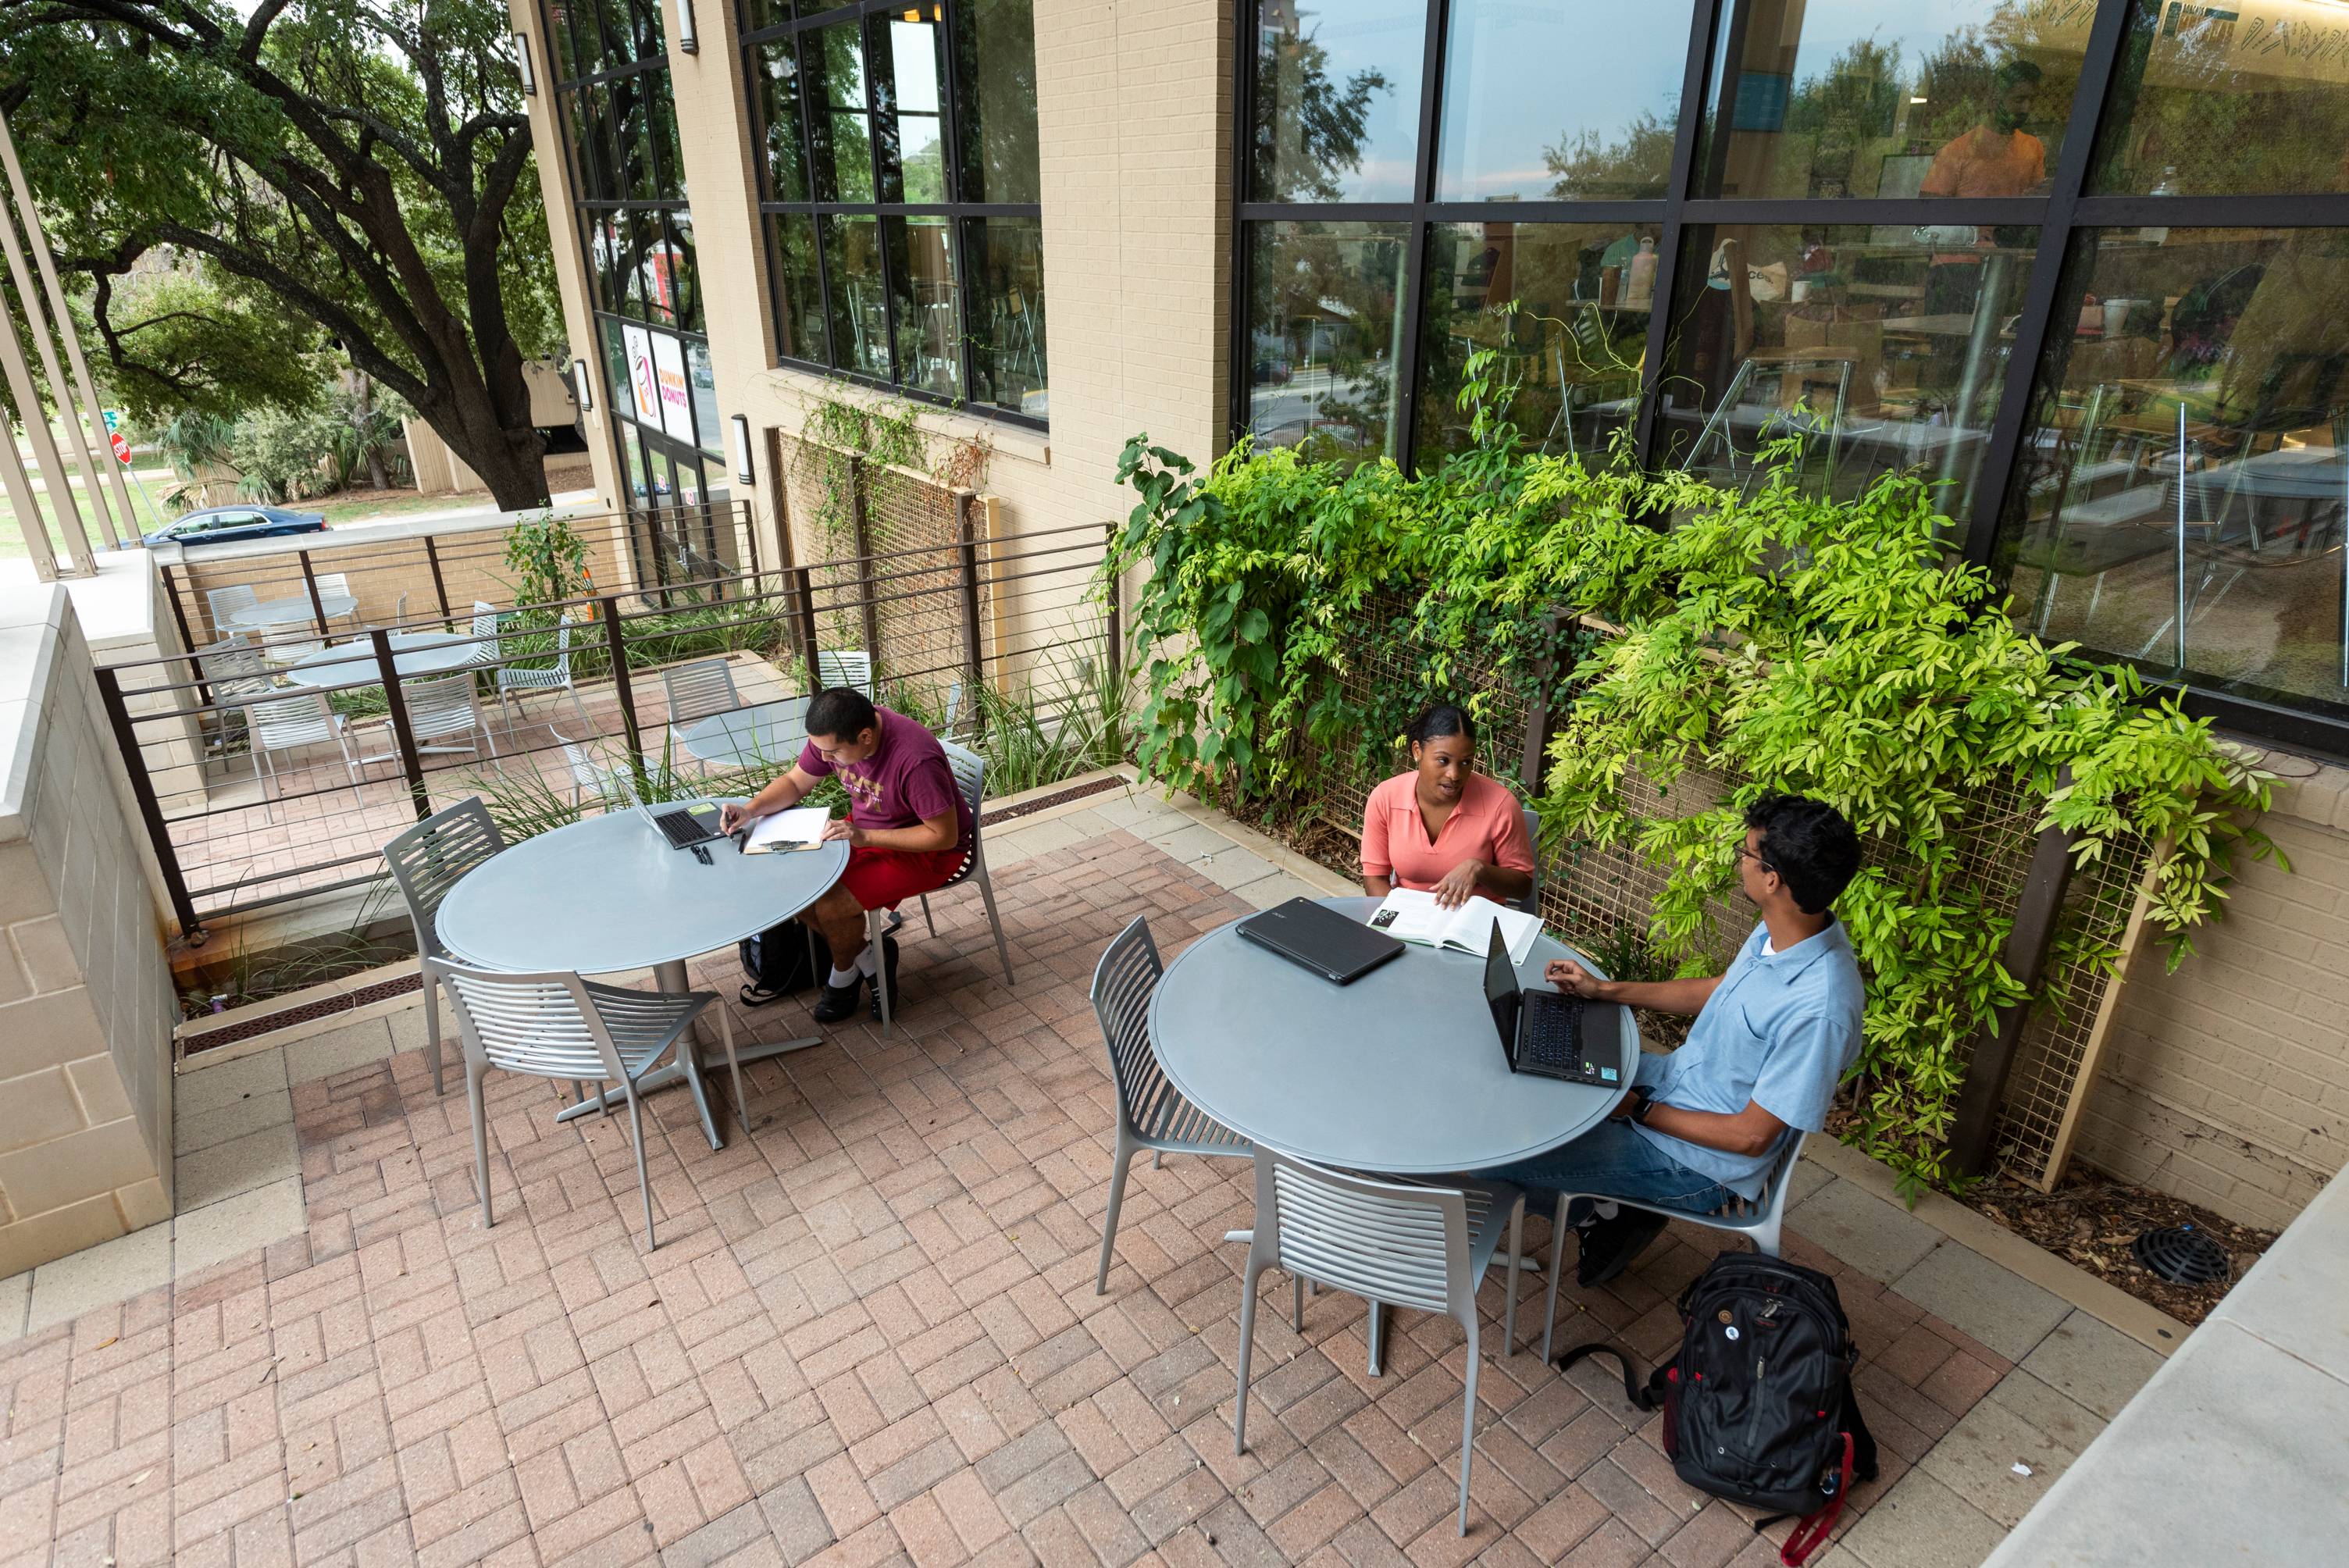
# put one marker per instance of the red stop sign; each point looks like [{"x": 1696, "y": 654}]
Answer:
[{"x": 121, "y": 447}]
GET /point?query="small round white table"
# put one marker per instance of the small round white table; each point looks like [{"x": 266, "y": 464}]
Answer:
[
  {"x": 293, "y": 611},
  {"x": 608, "y": 896},
  {"x": 354, "y": 664},
  {"x": 771, "y": 732},
  {"x": 1401, "y": 1071}
]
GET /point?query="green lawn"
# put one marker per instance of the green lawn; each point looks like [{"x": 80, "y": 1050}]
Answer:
[{"x": 347, "y": 507}]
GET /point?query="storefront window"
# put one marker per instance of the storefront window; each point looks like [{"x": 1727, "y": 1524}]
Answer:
[
  {"x": 1336, "y": 113},
  {"x": 1564, "y": 307},
  {"x": 1856, "y": 98},
  {"x": 1880, "y": 347},
  {"x": 2186, "y": 477},
  {"x": 909, "y": 135},
  {"x": 1324, "y": 327},
  {"x": 2231, "y": 100},
  {"x": 1509, "y": 135}
]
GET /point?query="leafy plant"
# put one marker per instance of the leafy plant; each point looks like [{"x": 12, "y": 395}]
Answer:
[
  {"x": 548, "y": 559},
  {"x": 1766, "y": 640}
]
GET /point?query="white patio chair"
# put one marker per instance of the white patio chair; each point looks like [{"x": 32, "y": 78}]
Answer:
[
  {"x": 289, "y": 724},
  {"x": 699, "y": 689},
  {"x": 426, "y": 861},
  {"x": 513, "y": 679},
  {"x": 486, "y": 624},
  {"x": 232, "y": 669},
  {"x": 1393, "y": 1243},
  {"x": 852, "y": 669},
  {"x": 227, "y": 601},
  {"x": 613, "y": 787},
  {"x": 331, "y": 584},
  {"x": 444, "y": 714},
  {"x": 559, "y": 1025},
  {"x": 1150, "y": 1112},
  {"x": 1762, "y": 1219},
  {"x": 970, "y": 774}
]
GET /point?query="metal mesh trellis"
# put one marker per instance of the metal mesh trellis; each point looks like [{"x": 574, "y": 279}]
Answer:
[{"x": 1601, "y": 900}]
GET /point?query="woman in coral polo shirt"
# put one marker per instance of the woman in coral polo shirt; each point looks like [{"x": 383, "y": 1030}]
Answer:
[{"x": 1444, "y": 828}]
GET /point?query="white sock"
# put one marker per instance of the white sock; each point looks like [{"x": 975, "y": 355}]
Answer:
[
  {"x": 868, "y": 963},
  {"x": 840, "y": 977}
]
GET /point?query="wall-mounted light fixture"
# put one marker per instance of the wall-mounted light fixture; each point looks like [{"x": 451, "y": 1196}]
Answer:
[
  {"x": 583, "y": 387},
  {"x": 521, "y": 61},
  {"x": 742, "y": 450},
  {"x": 687, "y": 38}
]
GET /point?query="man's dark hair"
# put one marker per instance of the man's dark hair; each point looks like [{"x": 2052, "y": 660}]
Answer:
[
  {"x": 1436, "y": 723},
  {"x": 1808, "y": 844},
  {"x": 842, "y": 712}
]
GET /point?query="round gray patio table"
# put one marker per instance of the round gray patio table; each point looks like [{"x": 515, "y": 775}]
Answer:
[
  {"x": 413, "y": 654},
  {"x": 607, "y": 896},
  {"x": 771, "y": 732},
  {"x": 1401, "y": 1071},
  {"x": 293, "y": 612}
]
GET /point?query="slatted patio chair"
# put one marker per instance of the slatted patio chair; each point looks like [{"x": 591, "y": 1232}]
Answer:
[{"x": 970, "y": 775}]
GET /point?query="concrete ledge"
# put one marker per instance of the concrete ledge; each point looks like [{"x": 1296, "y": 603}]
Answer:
[{"x": 2149, "y": 1326}]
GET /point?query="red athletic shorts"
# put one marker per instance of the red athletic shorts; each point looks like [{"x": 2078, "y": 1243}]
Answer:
[{"x": 882, "y": 879}]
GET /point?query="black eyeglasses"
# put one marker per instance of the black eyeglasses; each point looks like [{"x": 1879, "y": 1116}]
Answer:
[{"x": 1743, "y": 852}]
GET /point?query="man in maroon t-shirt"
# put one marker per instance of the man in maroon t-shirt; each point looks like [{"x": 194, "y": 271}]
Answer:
[{"x": 909, "y": 830}]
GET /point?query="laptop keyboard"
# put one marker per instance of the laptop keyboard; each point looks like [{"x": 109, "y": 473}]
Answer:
[
  {"x": 680, "y": 828},
  {"x": 1551, "y": 1040}
]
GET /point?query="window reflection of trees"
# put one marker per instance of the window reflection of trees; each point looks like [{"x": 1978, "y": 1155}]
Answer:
[{"x": 1309, "y": 128}]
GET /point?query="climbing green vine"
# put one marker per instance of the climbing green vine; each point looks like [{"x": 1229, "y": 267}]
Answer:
[{"x": 1767, "y": 640}]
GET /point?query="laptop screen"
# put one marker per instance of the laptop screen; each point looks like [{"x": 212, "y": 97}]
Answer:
[{"x": 1501, "y": 988}]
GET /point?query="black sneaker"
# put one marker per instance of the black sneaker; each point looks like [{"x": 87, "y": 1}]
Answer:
[
  {"x": 1608, "y": 1246},
  {"x": 837, "y": 1001},
  {"x": 889, "y": 968}
]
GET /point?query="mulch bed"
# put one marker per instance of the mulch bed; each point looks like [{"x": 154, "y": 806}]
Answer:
[{"x": 2090, "y": 1219}]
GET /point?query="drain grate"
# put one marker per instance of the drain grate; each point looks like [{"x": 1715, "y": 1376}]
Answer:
[{"x": 2182, "y": 1255}]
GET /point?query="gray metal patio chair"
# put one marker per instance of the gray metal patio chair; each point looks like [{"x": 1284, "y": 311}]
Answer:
[
  {"x": 516, "y": 678},
  {"x": 289, "y": 724},
  {"x": 426, "y": 861},
  {"x": 234, "y": 668},
  {"x": 970, "y": 774},
  {"x": 486, "y": 624},
  {"x": 444, "y": 714},
  {"x": 1760, "y": 1218},
  {"x": 614, "y": 787},
  {"x": 339, "y": 582},
  {"x": 559, "y": 1026},
  {"x": 1150, "y": 1112},
  {"x": 699, "y": 689},
  {"x": 224, "y": 603},
  {"x": 852, "y": 669},
  {"x": 1392, "y": 1242}
]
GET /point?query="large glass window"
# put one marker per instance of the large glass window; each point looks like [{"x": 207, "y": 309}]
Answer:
[
  {"x": 2186, "y": 478},
  {"x": 1858, "y": 98},
  {"x": 1510, "y": 135},
  {"x": 614, "y": 98},
  {"x": 2228, "y": 100},
  {"x": 900, "y": 191},
  {"x": 2082, "y": 265}
]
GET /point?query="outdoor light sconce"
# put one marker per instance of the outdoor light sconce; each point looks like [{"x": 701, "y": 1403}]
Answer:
[
  {"x": 687, "y": 38},
  {"x": 521, "y": 61},
  {"x": 742, "y": 450},
  {"x": 581, "y": 387}
]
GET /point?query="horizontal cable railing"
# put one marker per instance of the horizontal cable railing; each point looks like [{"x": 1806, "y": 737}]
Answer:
[{"x": 270, "y": 770}]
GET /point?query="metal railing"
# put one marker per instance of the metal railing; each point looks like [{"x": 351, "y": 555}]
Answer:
[{"x": 265, "y": 774}]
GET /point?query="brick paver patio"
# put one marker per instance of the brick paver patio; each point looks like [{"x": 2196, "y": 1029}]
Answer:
[{"x": 869, "y": 1334}]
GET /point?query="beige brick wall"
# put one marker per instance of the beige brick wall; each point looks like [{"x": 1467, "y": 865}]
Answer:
[
  {"x": 86, "y": 999},
  {"x": 1136, "y": 154},
  {"x": 2227, "y": 1082}
]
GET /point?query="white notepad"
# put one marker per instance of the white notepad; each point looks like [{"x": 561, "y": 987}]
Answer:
[
  {"x": 800, "y": 828},
  {"x": 1409, "y": 915}
]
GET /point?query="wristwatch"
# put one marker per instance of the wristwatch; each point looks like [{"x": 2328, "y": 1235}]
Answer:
[{"x": 1642, "y": 1102}]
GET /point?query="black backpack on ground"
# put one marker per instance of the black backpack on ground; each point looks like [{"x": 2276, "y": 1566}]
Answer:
[
  {"x": 777, "y": 959},
  {"x": 1758, "y": 1407}
]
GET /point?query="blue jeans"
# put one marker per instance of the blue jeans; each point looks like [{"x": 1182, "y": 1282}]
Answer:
[{"x": 1612, "y": 1161}]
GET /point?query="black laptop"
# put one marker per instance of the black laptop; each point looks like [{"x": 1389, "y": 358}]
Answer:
[
  {"x": 1337, "y": 947},
  {"x": 1541, "y": 1030}
]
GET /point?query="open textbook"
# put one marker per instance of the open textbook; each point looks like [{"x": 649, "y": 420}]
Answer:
[
  {"x": 800, "y": 828},
  {"x": 1414, "y": 916}
]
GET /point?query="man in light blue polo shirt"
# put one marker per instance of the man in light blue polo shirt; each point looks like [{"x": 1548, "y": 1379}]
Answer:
[{"x": 1772, "y": 1038}]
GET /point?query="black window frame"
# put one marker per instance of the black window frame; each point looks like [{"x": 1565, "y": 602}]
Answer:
[
  {"x": 2068, "y": 212},
  {"x": 948, "y": 19}
]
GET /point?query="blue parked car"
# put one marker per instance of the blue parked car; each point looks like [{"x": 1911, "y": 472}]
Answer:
[{"x": 223, "y": 524}]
